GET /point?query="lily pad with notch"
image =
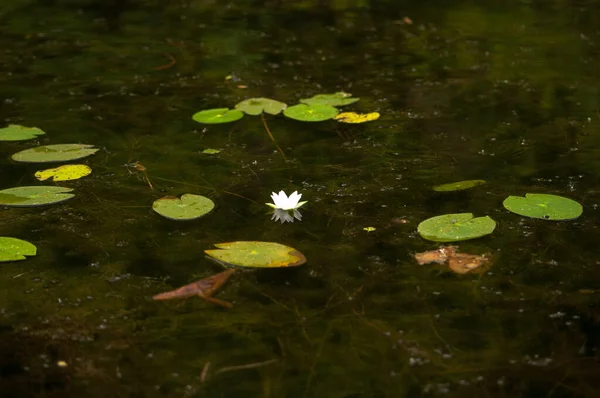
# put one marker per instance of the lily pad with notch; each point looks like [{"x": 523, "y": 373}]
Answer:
[
  {"x": 336, "y": 99},
  {"x": 13, "y": 249},
  {"x": 218, "y": 115},
  {"x": 188, "y": 207},
  {"x": 543, "y": 206},
  {"x": 54, "y": 153},
  {"x": 15, "y": 132},
  {"x": 31, "y": 196},
  {"x": 456, "y": 227},
  {"x": 256, "y": 254},
  {"x": 310, "y": 113},
  {"x": 458, "y": 186},
  {"x": 256, "y": 106}
]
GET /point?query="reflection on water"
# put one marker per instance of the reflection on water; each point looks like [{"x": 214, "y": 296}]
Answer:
[
  {"x": 501, "y": 92},
  {"x": 286, "y": 215}
]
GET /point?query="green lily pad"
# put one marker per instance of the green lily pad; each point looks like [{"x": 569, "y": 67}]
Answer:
[
  {"x": 15, "y": 132},
  {"x": 257, "y": 254},
  {"x": 543, "y": 206},
  {"x": 458, "y": 186},
  {"x": 218, "y": 115},
  {"x": 256, "y": 106},
  {"x": 210, "y": 151},
  {"x": 189, "y": 207},
  {"x": 34, "y": 196},
  {"x": 455, "y": 227},
  {"x": 335, "y": 99},
  {"x": 13, "y": 249},
  {"x": 55, "y": 153},
  {"x": 310, "y": 113}
]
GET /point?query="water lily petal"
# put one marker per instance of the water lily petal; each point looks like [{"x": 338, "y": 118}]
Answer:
[
  {"x": 300, "y": 204},
  {"x": 282, "y": 201},
  {"x": 294, "y": 198}
]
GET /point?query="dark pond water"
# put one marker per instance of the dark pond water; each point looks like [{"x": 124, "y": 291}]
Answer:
[{"x": 501, "y": 91}]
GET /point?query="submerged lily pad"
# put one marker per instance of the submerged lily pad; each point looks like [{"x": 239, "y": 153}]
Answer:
[
  {"x": 34, "y": 196},
  {"x": 543, "y": 206},
  {"x": 458, "y": 186},
  {"x": 256, "y": 106},
  {"x": 189, "y": 207},
  {"x": 13, "y": 249},
  {"x": 55, "y": 153},
  {"x": 310, "y": 113},
  {"x": 355, "y": 118},
  {"x": 257, "y": 254},
  {"x": 336, "y": 99},
  {"x": 15, "y": 132},
  {"x": 455, "y": 227},
  {"x": 218, "y": 115},
  {"x": 64, "y": 173}
]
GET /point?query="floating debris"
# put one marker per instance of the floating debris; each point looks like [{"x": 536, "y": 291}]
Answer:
[
  {"x": 461, "y": 263},
  {"x": 439, "y": 256}
]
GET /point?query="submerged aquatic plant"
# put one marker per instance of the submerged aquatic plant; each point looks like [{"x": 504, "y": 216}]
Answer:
[{"x": 204, "y": 288}]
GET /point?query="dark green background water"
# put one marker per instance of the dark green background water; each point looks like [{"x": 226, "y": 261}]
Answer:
[{"x": 505, "y": 91}]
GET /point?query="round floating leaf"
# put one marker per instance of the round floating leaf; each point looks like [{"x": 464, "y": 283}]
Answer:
[
  {"x": 34, "y": 196},
  {"x": 256, "y": 106},
  {"x": 546, "y": 207},
  {"x": 310, "y": 113},
  {"x": 355, "y": 118},
  {"x": 189, "y": 207},
  {"x": 257, "y": 254},
  {"x": 336, "y": 99},
  {"x": 64, "y": 173},
  {"x": 13, "y": 249},
  {"x": 458, "y": 186},
  {"x": 15, "y": 132},
  {"x": 210, "y": 151},
  {"x": 54, "y": 153},
  {"x": 455, "y": 227},
  {"x": 219, "y": 115}
]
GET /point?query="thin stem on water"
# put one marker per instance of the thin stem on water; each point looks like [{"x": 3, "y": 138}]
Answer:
[{"x": 262, "y": 116}]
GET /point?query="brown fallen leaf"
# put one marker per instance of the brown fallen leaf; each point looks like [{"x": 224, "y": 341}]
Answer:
[
  {"x": 587, "y": 291},
  {"x": 439, "y": 256},
  {"x": 204, "y": 288},
  {"x": 461, "y": 263}
]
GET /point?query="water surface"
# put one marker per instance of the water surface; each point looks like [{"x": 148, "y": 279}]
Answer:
[{"x": 501, "y": 91}]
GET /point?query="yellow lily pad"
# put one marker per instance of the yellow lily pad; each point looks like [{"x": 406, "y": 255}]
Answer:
[
  {"x": 353, "y": 117},
  {"x": 64, "y": 173}
]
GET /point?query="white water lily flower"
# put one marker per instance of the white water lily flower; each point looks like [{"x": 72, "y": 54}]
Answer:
[{"x": 283, "y": 202}]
